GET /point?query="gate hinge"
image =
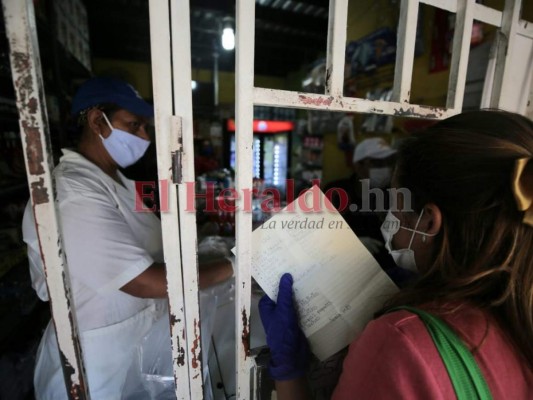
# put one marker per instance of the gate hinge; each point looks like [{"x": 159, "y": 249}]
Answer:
[
  {"x": 176, "y": 155},
  {"x": 177, "y": 171}
]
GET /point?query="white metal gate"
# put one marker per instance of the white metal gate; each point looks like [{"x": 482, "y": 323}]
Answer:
[{"x": 171, "y": 65}]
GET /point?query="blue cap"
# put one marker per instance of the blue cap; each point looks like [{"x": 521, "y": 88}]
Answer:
[{"x": 97, "y": 91}]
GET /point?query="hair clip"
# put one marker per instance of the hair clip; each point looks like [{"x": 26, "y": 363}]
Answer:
[{"x": 523, "y": 188}]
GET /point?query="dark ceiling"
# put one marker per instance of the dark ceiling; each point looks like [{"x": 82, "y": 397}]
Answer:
[{"x": 289, "y": 34}]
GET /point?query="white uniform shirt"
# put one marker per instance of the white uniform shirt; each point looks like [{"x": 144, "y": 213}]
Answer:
[{"x": 107, "y": 243}]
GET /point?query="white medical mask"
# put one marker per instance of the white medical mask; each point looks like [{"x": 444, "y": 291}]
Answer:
[
  {"x": 404, "y": 258},
  {"x": 379, "y": 177},
  {"x": 123, "y": 147}
]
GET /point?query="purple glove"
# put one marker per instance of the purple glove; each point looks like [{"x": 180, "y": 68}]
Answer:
[{"x": 289, "y": 350}]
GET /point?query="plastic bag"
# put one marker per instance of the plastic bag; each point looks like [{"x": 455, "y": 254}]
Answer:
[
  {"x": 213, "y": 248},
  {"x": 151, "y": 376}
]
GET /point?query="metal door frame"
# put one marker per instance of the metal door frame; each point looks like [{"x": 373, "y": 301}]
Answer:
[
  {"x": 170, "y": 40},
  {"x": 248, "y": 96}
]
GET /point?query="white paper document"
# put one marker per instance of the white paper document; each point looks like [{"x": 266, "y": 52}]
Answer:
[{"x": 338, "y": 285}]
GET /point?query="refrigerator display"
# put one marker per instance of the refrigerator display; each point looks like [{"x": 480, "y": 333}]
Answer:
[{"x": 271, "y": 145}]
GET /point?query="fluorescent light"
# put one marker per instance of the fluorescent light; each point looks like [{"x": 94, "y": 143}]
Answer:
[{"x": 194, "y": 85}]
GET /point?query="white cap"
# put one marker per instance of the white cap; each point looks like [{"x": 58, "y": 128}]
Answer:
[{"x": 372, "y": 148}]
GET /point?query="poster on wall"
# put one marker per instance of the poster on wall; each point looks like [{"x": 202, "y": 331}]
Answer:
[{"x": 371, "y": 51}]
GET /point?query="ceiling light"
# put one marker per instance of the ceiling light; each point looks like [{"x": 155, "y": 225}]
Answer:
[
  {"x": 228, "y": 39},
  {"x": 228, "y": 34}
]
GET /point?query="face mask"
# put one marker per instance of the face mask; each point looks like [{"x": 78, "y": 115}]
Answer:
[
  {"x": 379, "y": 177},
  {"x": 404, "y": 258},
  {"x": 123, "y": 147}
]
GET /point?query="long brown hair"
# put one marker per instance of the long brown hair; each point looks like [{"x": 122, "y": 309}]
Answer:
[{"x": 484, "y": 253}]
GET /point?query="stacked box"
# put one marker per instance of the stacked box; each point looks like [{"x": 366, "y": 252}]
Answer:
[{"x": 72, "y": 29}]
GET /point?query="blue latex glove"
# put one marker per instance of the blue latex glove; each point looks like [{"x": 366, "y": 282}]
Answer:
[{"x": 289, "y": 350}]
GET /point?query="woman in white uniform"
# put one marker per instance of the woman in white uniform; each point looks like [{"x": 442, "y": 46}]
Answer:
[{"x": 114, "y": 252}]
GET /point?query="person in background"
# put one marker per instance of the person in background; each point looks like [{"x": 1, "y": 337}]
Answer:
[
  {"x": 372, "y": 164},
  {"x": 114, "y": 252},
  {"x": 367, "y": 200},
  {"x": 470, "y": 235}
]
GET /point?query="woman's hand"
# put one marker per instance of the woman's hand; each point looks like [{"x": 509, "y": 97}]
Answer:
[{"x": 288, "y": 346}]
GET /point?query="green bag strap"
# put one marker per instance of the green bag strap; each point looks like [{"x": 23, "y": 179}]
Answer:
[{"x": 466, "y": 377}]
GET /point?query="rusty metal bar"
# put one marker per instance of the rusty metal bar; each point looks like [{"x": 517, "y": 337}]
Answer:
[
  {"x": 27, "y": 79},
  {"x": 168, "y": 132},
  {"x": 338, "y": 11},
  {"x": 244, "y": 82},
  {"x": 525, "y": 28},
  {"x": 460, "y": 52},
  {"x": 448, "y": 5},
  {"x": 181, "y": 78},
  {"x": 481, "y": 13},
  {"x": 405, "y": 52},
  {"x": 529, "y": 106},
  {"x": 487, "y": 15},
  {"x": 505, "y": 84},
  {"x": 311, "y": 101}
]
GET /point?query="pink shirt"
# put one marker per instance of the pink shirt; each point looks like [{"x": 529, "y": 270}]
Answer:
[{"x": 395, "y": 358}]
